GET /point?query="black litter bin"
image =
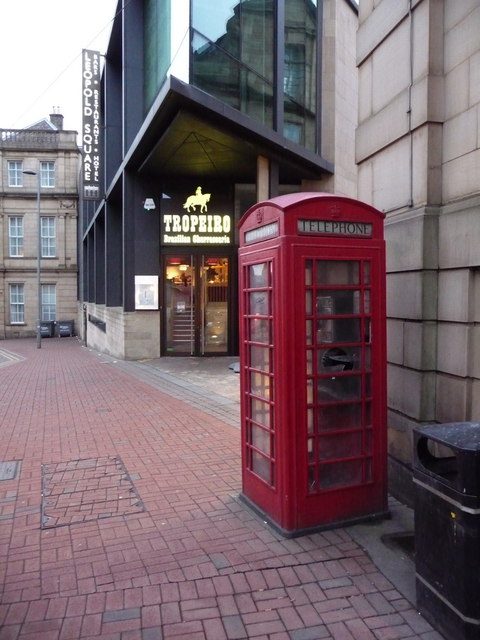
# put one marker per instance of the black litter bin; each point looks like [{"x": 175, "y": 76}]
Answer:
[
  {"x": 65, "y": 328},
  {"x": 447, "y": 527},
  {"x": 46, "y": 328}
]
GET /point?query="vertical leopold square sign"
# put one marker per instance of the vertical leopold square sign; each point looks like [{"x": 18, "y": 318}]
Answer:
[{"x": 91, "y": 138}]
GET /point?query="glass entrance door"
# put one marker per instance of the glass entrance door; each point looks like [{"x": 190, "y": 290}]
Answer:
[
  {"x": 196, "y": 305},
  {"x": 179, "y": 309},
  {"x": 214, "y": 305}
]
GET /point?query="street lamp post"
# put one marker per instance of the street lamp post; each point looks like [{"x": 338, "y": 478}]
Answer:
[{"x": 39, "y": 255}]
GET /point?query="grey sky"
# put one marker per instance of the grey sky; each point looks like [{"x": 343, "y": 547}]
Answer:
[{"x": 40, "y": 54}]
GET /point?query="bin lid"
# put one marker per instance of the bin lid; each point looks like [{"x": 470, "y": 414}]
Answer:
[
  {"x": 455, "y": 471},
  {"x": 464, "y": 436}
]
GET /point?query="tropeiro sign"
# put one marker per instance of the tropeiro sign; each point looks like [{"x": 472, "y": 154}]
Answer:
[{"x": 195, "y": 224}]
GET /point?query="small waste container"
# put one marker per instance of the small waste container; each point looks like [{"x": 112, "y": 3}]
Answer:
[
  {"x": 47, "y": 328},
  {"x": 64, "y": 328},
  {"x": 447, "y": 527}
]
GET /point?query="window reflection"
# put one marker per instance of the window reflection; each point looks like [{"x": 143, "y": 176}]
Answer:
[
  {"x": 261, "y": 439},
  {"x": 338, "y": 301},
  {"x": 308, "y": 303},
  {"x": 258, "y": 275},
  {"x": 309, "y": 391},
  {"x": 260, "y": 412},
  {"x": 368, "y": 330},
  {"x": 308, "y": 272},
  {"x": 300, "y": 72},
  {"x": 157, "y": 47},
  {"x": 366, "y": 272},
  {"x": 233, "y": 59},
  {"x": 260, "y": 385},
  {"x": 259, "y": 330},
  {"x": 366, "y": 301},
  {"x": 232, "y": 53},
  {"x": 261, "y": 466},
  {"x": 260, "y": 358},
  {"x": 309, "y": 368},
  {"x": 211, "y": 19},
  {"x": 310, "y": 450},
  {"x": 310, "y": 416},
  {"x": 339, "y": 474},
  {"x": 340, "y": 445},
  {"x": 309, "y": 332},
  {"x": 339, "y": 416},
  {"x": 338, "y": 330},
  {"x": 338, "y": 272},
  {"x": 259, "y": 303}
]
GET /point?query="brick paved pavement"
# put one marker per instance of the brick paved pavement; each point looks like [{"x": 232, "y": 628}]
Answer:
[{"x": 158, "y": 546}]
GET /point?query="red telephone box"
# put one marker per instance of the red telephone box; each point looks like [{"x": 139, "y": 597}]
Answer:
[{"x": 313, "y": 361}]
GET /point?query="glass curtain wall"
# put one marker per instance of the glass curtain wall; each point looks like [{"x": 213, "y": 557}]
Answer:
[
  {"x": 157, "y": 21},
  {"x": 233, "y": 49},
  {"x": 233, "y": 53},
  {"x": 300, "y": 72}
]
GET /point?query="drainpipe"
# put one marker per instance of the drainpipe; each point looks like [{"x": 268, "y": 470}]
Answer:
[{"x": 409, "y": 112}]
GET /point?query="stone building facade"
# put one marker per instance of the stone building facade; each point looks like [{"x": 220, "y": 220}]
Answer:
[
  {"x": 44, "y": 159},
  {"x": 418, "y": 154}
]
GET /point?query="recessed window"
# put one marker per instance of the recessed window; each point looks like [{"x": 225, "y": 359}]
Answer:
[
  {"x": 47, "y": 174},
  {"x": 48, "y": 236},
  {"x": 15, "y": 175},
  {"x": 15, "y": 237},
  {"x": 17, "y": 304},
  {"x": 49, "y": 302}
]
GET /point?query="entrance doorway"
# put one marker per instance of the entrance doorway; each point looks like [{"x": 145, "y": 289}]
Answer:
[{"x": 196, "y": 305}]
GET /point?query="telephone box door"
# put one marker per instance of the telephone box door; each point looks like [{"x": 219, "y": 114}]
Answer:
[
  {"x": 260, "y": 437},
  {"x": 341, "y": 463}
]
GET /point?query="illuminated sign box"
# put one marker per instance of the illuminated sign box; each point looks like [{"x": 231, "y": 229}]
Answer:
[
  {"x": 196, "y": 226},
  {"x": 91, "y": 126}
]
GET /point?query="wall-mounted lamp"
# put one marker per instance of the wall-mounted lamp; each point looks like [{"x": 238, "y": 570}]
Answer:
[{"x": 149, "y": 204}]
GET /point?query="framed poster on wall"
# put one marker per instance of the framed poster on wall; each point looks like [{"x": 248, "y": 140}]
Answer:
[{"x": 146, "y": 292}]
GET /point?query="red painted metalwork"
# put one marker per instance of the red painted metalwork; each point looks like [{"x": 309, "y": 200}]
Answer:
[{"x": 313, "y": 361}]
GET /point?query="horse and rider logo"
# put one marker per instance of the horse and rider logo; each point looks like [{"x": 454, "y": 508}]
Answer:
[{"x": 199, "y": 199}]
